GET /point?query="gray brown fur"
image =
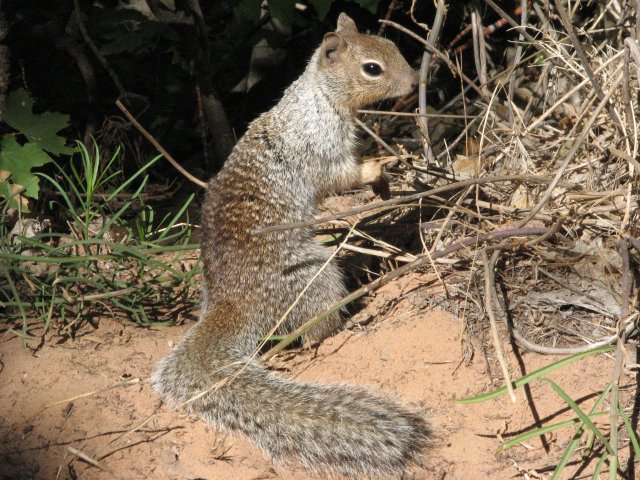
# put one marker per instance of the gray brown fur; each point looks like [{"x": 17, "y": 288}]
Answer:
[{"x": 290, "y": 158}]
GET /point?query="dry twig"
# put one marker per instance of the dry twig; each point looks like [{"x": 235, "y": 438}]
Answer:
[{"x": 159, "y": 147}]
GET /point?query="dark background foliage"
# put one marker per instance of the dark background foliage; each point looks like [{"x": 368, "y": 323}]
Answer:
[{"x": 180, "y": 66}]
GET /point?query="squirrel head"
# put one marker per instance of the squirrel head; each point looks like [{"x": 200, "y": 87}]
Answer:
[{"x": 363, "y": 69}]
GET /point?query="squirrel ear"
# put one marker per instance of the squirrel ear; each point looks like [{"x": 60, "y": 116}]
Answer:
[
  {"x": 346, "y": 25},
  {"x": 332, "y": 47}
]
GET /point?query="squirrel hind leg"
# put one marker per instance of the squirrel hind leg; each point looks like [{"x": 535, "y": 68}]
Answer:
[
  {"x": 324, "y": 296},
  {"x": 327, "y": 326},
  {"x": 326, "y": 289}
]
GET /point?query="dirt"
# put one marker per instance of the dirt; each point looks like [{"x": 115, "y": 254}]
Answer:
[{"x": 411, "y": 352}]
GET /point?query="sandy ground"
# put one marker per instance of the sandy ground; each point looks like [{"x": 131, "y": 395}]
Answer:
[{"x": 410, "y": 352}]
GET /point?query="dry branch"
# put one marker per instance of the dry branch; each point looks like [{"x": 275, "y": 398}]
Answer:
[{"x": 159, "y": 147}]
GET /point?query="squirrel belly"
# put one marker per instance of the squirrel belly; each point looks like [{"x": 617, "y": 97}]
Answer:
[{"x": 290, "y": 158}]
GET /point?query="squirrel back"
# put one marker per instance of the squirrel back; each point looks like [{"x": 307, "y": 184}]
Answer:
[{"x": 290, "y": 158}]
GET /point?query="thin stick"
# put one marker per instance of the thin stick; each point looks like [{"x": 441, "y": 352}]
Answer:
[
  {"x": 432, "y": 38},
  {"x": 420, "y": 262},
  {"x": 516, "y": 59},
  {"x": 381, "y": 254},
  {"x": 447, "y": 220},
  {"x": 386, "y": 146},
  {"x": 96, "y": 51},
  {"x": 628, "y": 158},
  {"x": 548, "y": 111},
  {"x": 479, "y": 49},
  {"x": 390, "y": 9},
  {"x": 544, "y": 350},
  {"x": 87, "y": 458},
  {"x": 396, "y": 202},
  {"x": 633, "y": 50},
  {"x": 620, "y": 346},
  {"x": 488, "y": 305},
  {"x": 440, "y": 55},
  {"x": 128, "y": 383},
  {"x": 132, "y": 430},
  {"x": 159, "y": 147},
  {"x": 566, "y": 22},
  {"x": 411, "y": 114},
  {"x": 463, "y": 135},
  {"x": 555, "y": 228},
  {"x": 577, "y": 144},
  {"x": 510, "y": 20},
  {"x": 635, "y": 243}
]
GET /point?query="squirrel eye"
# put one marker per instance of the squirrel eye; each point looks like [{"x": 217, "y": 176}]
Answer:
[{"x": 372, "y": 69}]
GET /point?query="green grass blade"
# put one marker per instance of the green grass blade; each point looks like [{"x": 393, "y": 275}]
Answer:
[
  {"x": 105, "y": 176},
  {"x": 596, "y": 471},
  {"x": 541, "y": 431},
  {"x": 568, "y": 452},
  {"x": 22, "y": 335},
  {"x": 59, "y": 260},
  {"x": 533, "y": 375},
  {"x": 585, "y": 419},
  {"x": 63, "y": 193},
  {"x": 603, "y": 395},
  {"x": 125, "y": 184},
  {"x": 156, "y": 282},
  {"x": 176, "y": 217},
  {"x": 116, "y": 216},
  {"x": 613, "y": 467},
  {"x": 632, "y": 434},
  {"x": 72, "y": 182},
  {"x": 16, "y": 297}
]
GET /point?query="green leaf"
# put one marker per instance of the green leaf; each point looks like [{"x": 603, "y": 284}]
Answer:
[
  {"x": 16, "y": 162},
  {"x": 38, "y": 128},
  {"x": 248, "y": 11},
  {"x": 139, "y": 40},
  {"x": 322, "y": 7},
  {"x": 371, "y": 5},
  {"x": 119, "y": 42}
]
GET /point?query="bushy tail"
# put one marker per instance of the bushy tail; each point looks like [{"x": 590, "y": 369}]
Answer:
[{"x": 337, "y": 429}]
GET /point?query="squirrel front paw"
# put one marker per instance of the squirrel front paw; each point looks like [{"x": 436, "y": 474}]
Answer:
[{"x": 372, "y": 173}]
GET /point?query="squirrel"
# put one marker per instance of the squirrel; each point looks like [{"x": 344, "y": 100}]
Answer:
[{"x": 290, "y": 158}]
